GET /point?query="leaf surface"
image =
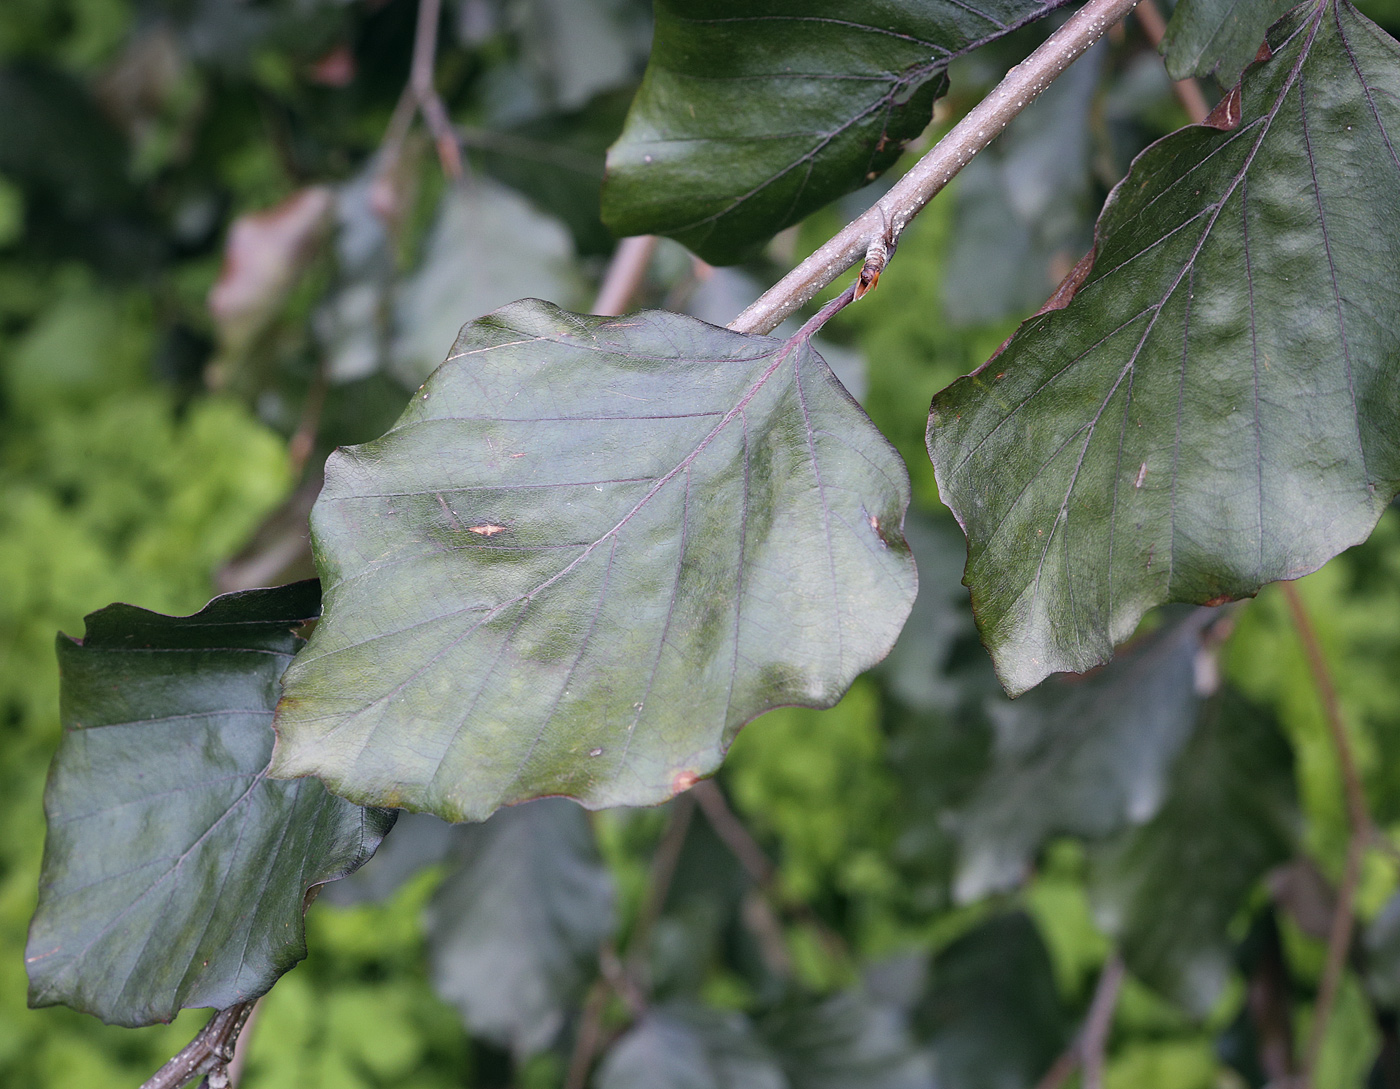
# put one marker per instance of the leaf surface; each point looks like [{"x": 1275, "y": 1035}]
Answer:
[
  {"x": 588, "y": 553},
  {"x": 514, "y": 931},
  {"x": 175, "y": 872},
  {"x": 1079, "y": 757},
  {"x": 1216, "y": 407},
  {"x": 1217, "y": 37},
  {"x": 751, "y": 115},
  {"x": 847, "y": 1041},
  {"x": 992, "y": 1014},
  {"x": 1169, "y": 890},
  {"x": 688, "y": 1047}
]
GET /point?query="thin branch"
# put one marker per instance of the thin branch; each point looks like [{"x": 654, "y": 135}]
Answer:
[
  {"x": 241, "y": 1045},
  {"x": 734, "y": 835},
  {"x": 303, "y": 441},
  {"x": 1100, "y": 1020},
  {"x": 1062, "y": 1069},
  {"x": 624, "y": 275},
  {"x": 421, "y": 96},
  {"x": 209, "y": 1053},
  {"x": 732, "y": 832},
  {"x": 1188, "y": 91},
  {"x": 590, "y": 1033},
  {"x": 1089, "y": 1044},
  {"x": 1269, "y": 1002},
  {"x": 663, "y": 871},
  {"x": 1361, "y": 832},
  {"x": 884, "y": 221}
]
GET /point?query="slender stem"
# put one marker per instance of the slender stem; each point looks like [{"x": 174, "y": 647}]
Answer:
[
  {"x": 241, "y": 1045},
  {"x": 624, "y": 275},
  {"x": 1100, "y": 1019},
  {"x": 663, "y": 870},
  {"x": 420, "y": 95},
  {"x": 1269, "y": 1002},
  {"x": 1361, "y": 832},
  {"x": 751, "y": 856},
  {"x": 1188, "y": 91},
  {"x": 732, "y": 832},
  {"x": 1062, "y": 1069},
  {"x": 421, "y": 80},
  {"x": 590, "y": 1032},
  {"x": 884, "y": 221},
  {"x": 1091, "y": 1041},
  {"x": 209, "y": 1053}
]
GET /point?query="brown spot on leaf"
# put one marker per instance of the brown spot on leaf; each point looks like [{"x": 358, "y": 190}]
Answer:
[
  {"x": 683, "y": 781},
  {"x": 1218, "y": 599},
  {"x": 1226, "y": 114},
  {"x": 1073, "y": 281}
]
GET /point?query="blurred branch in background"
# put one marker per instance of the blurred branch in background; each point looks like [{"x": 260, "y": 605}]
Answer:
[{"x": 421, "y": 96}]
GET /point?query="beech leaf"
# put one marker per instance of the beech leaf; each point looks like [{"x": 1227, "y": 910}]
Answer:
[
  {"x": 587, "y": 554},
  {"x": 175, "y": 873},
  {"x": 753, "y": 113},
  {"x": 1080, "y": 756},
  {"x": 992, "y": 1014},
  {"x": 1169, "y": 890},
  {"x": 1215, "y": 408},
  {"x": 690, "y": 1047},
  {"x": 514, "y": 931},
  {"x": 1217, "y": 37}
]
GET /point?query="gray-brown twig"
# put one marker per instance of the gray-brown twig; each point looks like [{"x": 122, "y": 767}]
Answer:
[
  {"x": 887, "y": 218},
  {"x": 1090, "y": 1044},
  {"x": 421, "y": 96},
  {"x": 1188, "y": 91},
  {"x": 625, "y": 273},
  {"x": 207, "y": 1055},
  {"x": 1360, "y": 836},
  {"x": 751, "y": 856}
]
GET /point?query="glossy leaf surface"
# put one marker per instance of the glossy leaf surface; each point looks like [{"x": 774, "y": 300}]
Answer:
[
  {"x": 751, "y": 115},
  {"x": 514, "y": 931},
  {"x": 588, "y": 553},
  {"x": 1216, "y": 408},
  {"x": 1217, "y": 37},
  {"x": 175, "y": 871},
  {"x": 1169, "y": 890}
]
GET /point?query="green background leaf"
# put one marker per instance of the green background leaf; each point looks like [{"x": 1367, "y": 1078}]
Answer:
[
  {"x": 690, "y": 1048},
  {"x": 753, "y": 114},
  {"x": 175, "y": 872},
  {"x": 1080, "y": 757},
  {"x": 589, "y": 552},
  {"x": 1215, "y": 408},
  {"x": 991, "y": 1013},
  {"x": 1169, "y": 890},
  {"x": 514, "y": 931},
  {"x": 1217, "y": 37}
]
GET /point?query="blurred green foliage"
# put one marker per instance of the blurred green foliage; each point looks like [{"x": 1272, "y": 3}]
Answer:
[{"x": 132, "y": 133}]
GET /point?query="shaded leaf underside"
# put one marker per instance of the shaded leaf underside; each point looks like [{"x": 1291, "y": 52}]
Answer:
[
  {"x": 1216, "y": 408},
  {"x": 753, "y": 114},
  {"x": 587, "y": 554},
  {"x": 175, "y": 872}
]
